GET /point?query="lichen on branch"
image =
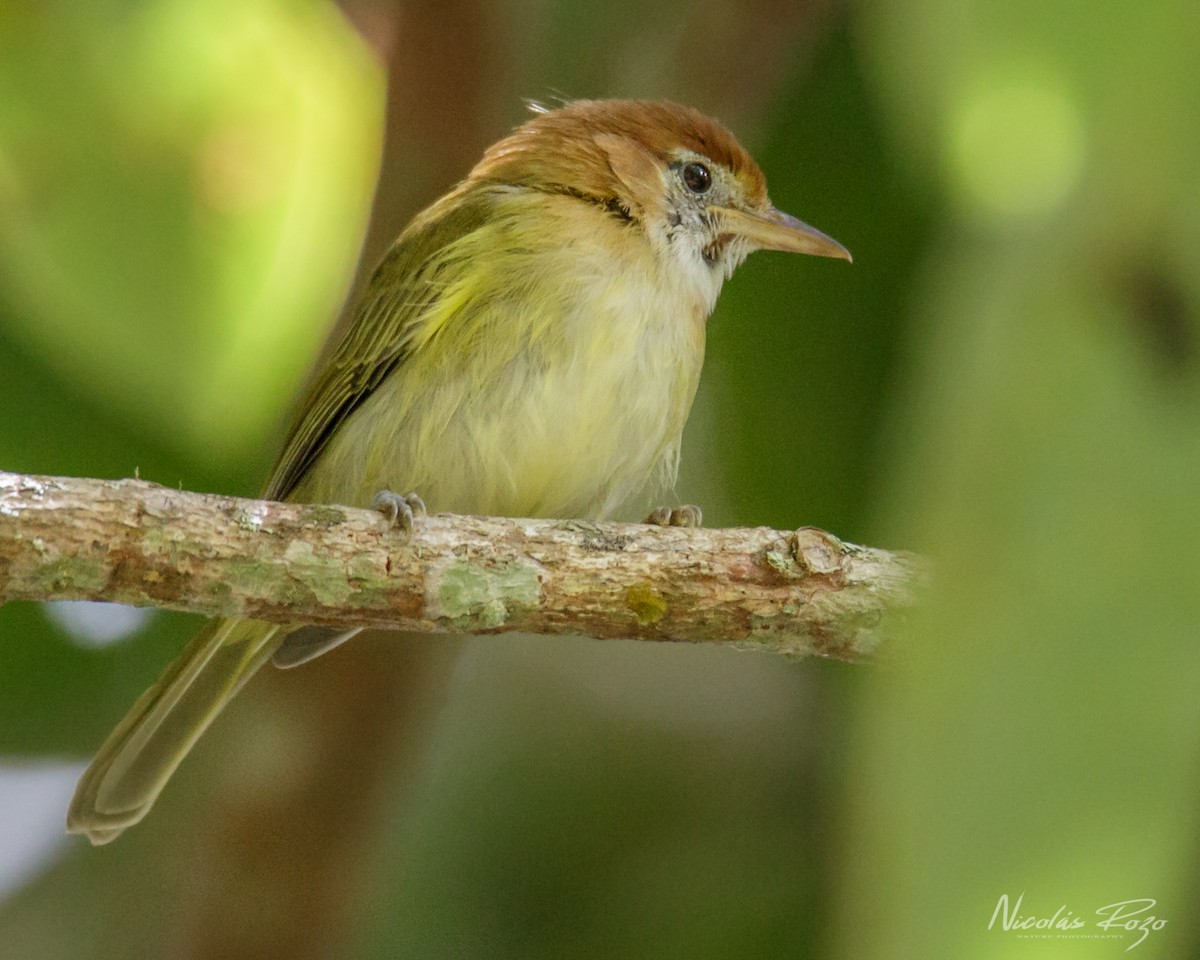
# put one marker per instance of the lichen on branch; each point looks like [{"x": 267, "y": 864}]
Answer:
[{"x": 799, "y": 592}]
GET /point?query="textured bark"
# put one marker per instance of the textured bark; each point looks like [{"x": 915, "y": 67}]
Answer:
[{"x": 800, "y": 592}]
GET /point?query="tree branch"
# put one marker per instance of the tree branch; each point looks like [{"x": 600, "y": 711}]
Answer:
[{"x": 799, "y": 593}]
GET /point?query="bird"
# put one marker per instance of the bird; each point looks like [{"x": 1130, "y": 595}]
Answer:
[{"x": 529, "y": 346}]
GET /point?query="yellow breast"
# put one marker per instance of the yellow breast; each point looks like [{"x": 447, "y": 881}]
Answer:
[{"x": 552, "y": 376}]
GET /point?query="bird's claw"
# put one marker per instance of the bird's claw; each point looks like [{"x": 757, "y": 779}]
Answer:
[
  {"x": 401, "y": 510},
  {"x": 688, "y": 515}
]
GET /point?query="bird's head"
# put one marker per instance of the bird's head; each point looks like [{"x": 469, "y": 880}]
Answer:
[{"x": 667, "y": 169}]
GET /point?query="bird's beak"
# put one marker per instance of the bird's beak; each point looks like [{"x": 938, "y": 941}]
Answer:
[{"x": 776, "y": 230}]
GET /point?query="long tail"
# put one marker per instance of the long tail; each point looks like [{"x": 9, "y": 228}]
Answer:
[{"x": 139, "y": 756}]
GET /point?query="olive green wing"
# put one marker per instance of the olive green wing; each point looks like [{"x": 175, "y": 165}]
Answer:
[{"x": 403, "y": 289}]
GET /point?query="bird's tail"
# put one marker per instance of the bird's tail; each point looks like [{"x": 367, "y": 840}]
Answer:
[{"x": 139, "y": 756}]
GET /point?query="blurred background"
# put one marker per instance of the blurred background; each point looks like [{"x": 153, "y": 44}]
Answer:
[{"x": 1006, "y": 380}]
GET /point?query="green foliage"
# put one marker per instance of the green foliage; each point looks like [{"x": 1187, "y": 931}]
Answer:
[
  {"x": 1039, "y": 734},
  {"x": 182, "y": 191}
]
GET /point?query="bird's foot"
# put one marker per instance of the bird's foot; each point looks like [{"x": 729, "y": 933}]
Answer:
[
  {"x": 401, "y": 510},
  {"x": 688, "y": 515}
]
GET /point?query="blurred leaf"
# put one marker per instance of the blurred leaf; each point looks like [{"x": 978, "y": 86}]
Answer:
[
  {"x": 182, "y": 191},
  {"x": 183, "y": 188},
  {"x": 1039, "y": 735}
]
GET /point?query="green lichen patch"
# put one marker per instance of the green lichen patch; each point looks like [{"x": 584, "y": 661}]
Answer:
[
  {"x": 322, "y": 514},
  {"x": 252, "y": 575},
  {"x": 69, "y": 574},
  {"x": 159, "y": 541},
  {"x": 367, "y": 570},
  {"x": 324, "y": 576},
  {"x": 647, "y": 604},
  {"x": 470, "y": 595}
]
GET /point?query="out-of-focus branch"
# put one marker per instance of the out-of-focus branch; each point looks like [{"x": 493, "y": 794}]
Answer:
[{"x": 800, "y": 592}]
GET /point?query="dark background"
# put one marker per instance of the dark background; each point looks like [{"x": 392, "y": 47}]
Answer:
[{"x": 1005, "y": 379}]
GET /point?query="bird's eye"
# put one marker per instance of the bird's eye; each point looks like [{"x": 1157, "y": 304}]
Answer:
[{"x": 696, "y": 177}]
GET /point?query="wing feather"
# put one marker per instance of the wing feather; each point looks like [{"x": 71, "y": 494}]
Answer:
[{"x": 402, "y": 291}]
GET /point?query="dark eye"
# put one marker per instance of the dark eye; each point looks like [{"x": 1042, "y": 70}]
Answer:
[{"x": 696, "y": 177}]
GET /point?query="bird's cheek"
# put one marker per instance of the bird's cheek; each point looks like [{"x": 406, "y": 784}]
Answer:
[{"x": 638, "y": 174}]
